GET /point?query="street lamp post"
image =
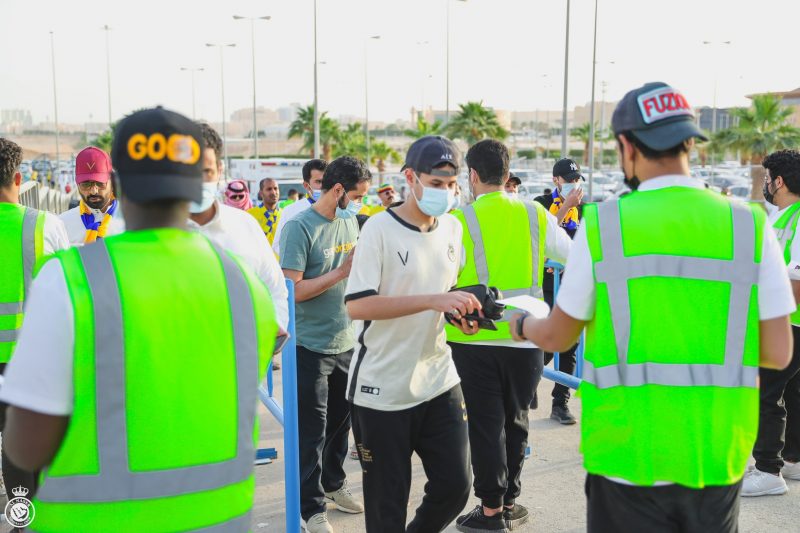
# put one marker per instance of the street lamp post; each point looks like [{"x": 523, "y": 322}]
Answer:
[
  {"x": 591, "y": 109},
  {"x": 221, "y": 48},
  {"x": 55, "y": 97},
  {"x": 192, "y": 71},
  {"x": 253, "y": 51},
  {"x": 603, "y": 85},
  {"x": 316, "y": 98},
  {"x": 714, "y": 103},
  {"x": 566, "y": 78},
  {"x": 108, "y": 72},
  {"x": 447, "y": 69},
  {"x": 366, "y": 94}
]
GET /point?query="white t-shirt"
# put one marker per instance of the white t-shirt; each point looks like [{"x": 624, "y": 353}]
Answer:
[
  {"x": 576, "y": 296},
  {"x": 54, "y": 234},
  {"x": 402, "y": 362},
  {"x": 794, "y": 261},
  {"x": 238, "y": 232},
  {"x": 557, "y": 245},
  {"x": 76, "y": 231},
  {"x": 287, "y": 214}
]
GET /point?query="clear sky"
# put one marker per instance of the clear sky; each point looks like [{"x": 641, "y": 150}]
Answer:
[{"x": 508, "y": 53}]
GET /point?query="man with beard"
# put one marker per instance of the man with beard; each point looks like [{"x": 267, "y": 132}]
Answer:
[{"x": 96, "y": 216}]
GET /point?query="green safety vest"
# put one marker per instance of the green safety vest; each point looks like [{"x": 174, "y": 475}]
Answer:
[
  {"x": 172, "y": 337},
  {"x": 785, "y": 228},
  {"x": 670, "y": 389},
  {"x": 504, "y": 246},
  {"x": 21, "y": 246}
]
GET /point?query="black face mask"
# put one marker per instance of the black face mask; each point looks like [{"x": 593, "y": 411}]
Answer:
[
  {"x": 768, "y": 196},
  {"x": 632, "y": 182}
]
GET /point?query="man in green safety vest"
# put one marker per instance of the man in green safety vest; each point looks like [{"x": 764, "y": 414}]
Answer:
[
  {"x": 27, "y": 235},
  {"x": 684, "y": 294},
  {"x": 505, "y": 244},
  {"x": 136, "y": 375},
  {"x": 777, "y": 448}
]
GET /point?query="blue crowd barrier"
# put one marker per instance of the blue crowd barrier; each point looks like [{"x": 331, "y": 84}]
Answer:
[
  {"x": 286, "y": 416},
  {"x": 554, "y": 374}
]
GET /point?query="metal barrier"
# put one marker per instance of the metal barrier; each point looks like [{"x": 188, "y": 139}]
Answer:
[
  {"x": 39, "y": 196},
  {"x": 286, "y": 416},
  {"x": 554, "y": 373}
]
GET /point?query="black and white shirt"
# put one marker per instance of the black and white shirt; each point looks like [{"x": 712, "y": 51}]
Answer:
[{"x": 402, "y": 362}]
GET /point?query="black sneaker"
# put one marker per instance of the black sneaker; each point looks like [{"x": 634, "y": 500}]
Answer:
[
  {"x": 516, "y": 516},
  {"x": 562, "y": 415},
  {"x": 477, "y": 522}
]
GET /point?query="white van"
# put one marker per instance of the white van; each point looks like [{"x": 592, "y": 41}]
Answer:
[{"x": 287, "y": 172}]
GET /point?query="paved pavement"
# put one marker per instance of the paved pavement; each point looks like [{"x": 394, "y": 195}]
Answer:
[{"x": 552, "y": 484}]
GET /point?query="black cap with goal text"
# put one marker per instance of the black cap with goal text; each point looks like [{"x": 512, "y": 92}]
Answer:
[{"x": 157, "y": 155}]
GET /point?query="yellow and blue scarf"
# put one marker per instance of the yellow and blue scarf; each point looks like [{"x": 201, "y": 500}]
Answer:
[
  {"x": 570, "y": 220},
  {"x": 96, "y": 229}
]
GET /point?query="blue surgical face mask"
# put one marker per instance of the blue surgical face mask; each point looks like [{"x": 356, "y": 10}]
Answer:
[
  {"x": 315, "y": 194},
  {"x": 351, "y": 209},
  {"x": 434, "y": 202},
  {"x": 568, "y": 188},
  {"x": 210, "y": 190}
]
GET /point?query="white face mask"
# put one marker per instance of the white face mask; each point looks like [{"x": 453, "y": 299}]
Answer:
[
  {"x": 210, "y": 190},
  {"x": 569, "y": 187}
]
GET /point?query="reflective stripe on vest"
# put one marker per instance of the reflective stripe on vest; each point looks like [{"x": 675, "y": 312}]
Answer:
[
  {"x": 616, "y": 270},
  {"x": 115, "y": 482},
  {"x": 29, "y": 220},
  {"x": 479, "y": 251},
  {"x": 785, "y": 228}
]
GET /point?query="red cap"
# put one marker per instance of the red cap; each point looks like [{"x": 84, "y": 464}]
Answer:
[{"x": 92, "y": 164}]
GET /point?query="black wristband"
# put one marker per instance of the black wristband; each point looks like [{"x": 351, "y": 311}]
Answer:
[{"x": 521, "y": 326}]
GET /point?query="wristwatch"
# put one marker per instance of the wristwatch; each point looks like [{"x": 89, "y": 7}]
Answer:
[{"x": 521, "y": 324}]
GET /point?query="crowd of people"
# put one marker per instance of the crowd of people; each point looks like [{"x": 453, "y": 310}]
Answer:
[{"x": 136, "y": 328}]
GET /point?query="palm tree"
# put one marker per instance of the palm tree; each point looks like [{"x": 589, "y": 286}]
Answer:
[
  {"x": 350, "y": 141},
  {"x": 303, "y": 126},
  {"x": 424, "y": 128},
  {"x": 582, "y": 134},
  {"x": 380, "y": 152},
  {"x": 761, "y": 129},
  {"x": 475, "y": 122}
]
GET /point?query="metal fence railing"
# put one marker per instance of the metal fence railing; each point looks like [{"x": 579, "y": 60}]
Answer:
[
  {"x": 568, "y": 380},
  {"x": 286, "y": 415},
  {"x": 39, "y": 196}
]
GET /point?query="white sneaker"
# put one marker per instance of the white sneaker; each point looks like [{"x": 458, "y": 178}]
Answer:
[
  {"x": 791, "y": 471},
  {"x": 345, "y": 501},
  {"x": 318, "y": 524},
  {"x": 353, "y": 452},
  {"x": 758, "y": 483}
]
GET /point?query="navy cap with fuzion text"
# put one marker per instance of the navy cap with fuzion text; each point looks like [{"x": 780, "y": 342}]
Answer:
[
  {"x": 657, "y": 115},
  {"x": 158, "y": 156}
]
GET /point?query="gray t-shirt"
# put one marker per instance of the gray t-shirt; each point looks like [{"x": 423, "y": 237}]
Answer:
[{"x": 314, "y": 245}]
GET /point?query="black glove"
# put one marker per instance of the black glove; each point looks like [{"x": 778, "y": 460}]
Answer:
[{"x": 492, "y": 310}]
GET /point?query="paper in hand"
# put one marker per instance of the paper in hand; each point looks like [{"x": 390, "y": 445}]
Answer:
[{"x": 537, "y": 308}]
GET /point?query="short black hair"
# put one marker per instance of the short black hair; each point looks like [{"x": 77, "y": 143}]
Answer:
[
  {"x": 291, "y": 192},
  {"x": 786, "y": 164},
  {"x": 489, "y": 158},
  {"x": 313, "y": 164},
  {"x": 649, "y": 153},
  {"x": 346, "y": 170},
  {"x": 212, "y": 140},
  {"x": 10, "y": 160}
]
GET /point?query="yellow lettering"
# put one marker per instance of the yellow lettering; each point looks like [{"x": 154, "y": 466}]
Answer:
[
  {"x": 137, "y": 146},
  {"x": 157, "y": 147}
]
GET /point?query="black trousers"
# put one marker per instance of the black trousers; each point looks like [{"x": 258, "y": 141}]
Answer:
[
  {"x": 616, "y": 508},
  {"x": 323, "y": 416},
  {"x": 437, "y": 431},
  {"x": 779, "y": 414},
  {"x": 566, "y": 361},
  {"x": 498, "y": 384},
  {"x": 13, "y": 476}
]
